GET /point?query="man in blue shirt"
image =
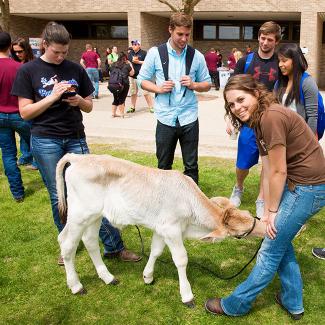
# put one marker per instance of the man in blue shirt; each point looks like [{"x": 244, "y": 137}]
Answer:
[{"x": 176, "y": 106}]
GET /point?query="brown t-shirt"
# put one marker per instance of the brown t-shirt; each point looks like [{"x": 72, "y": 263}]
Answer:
[{"x": 305, "y": 158}]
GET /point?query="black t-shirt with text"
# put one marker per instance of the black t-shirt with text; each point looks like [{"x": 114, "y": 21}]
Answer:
[
  {"x": 141, "y": 54},
  {"x": 263, "y": 70},
  {"x": 35, "y": 81}
]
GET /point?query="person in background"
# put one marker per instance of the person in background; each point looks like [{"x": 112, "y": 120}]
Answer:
[
  {"x": 107, "y": 52},
  {"x": 293, "y": 64},
  {"x": 127, "y": 70},
  {"x": 136, "y": 57},
  {"x": 264, "y": 67},
  {"x": 231, "y": 59},
  {"x": 10, "y": 120},
  {"x": 237, "y": 55},
  {"x": 296, "y": 182},
  {"x": 212, "y": 60},
  {"x": 113, "y": 56},
  {"x": 248, "y": 49},
  {"x": 100, "y": 72},
  {"x": 22, "y": 52},
  {"x": 53, "y": 92},
  {"x": 90, "y": 61}
]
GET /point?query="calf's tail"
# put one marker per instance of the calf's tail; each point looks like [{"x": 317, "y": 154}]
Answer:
[{"x": 62, "y": 202}]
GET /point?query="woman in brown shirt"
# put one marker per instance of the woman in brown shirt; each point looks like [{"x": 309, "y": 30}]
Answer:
[{"x": 295, "y": 191}]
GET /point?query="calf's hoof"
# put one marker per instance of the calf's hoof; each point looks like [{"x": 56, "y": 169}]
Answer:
[
  {"x": 114, "y": 282},
  {"x": 150, "y": 283},
  {"x": 82, "y": 292},
  {"x": 148, "y": 279},
  {"x": 189, "y": 304}
]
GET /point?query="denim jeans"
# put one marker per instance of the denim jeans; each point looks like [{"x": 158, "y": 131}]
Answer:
[
  {"x": 277, "y": 255},
  {"x": 47, "y": 153},
  {"x": 26, "y": 154},
  {"x": 166, "y": 141},
  {"x": 94, "y": 78},
  {"x": 9, "y": 124}
]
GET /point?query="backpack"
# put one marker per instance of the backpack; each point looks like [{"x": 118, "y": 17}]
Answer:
[
  {"x": 163, "y": 53},
  {"x": 321, "y": 113},
  {"x": 115, "y": 82},
  {"x": 249, "y": 59}
]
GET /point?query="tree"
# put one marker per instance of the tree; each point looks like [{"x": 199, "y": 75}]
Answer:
[
  {"x": 5, "y": 15},
  {"x": 187, "y": 6}
]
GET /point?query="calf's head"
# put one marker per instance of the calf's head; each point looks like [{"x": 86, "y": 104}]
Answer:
[{"x": 235, "y": 222}]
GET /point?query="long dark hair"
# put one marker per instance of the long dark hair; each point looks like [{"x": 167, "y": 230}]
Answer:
[
  {"x": 23, "y": 43},
  {"x": 300, "y": 65},
  {"x": 248, "y": 84},
  {"x": 122, "y": 58}
]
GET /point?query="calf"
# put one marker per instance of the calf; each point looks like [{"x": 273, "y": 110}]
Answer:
[{"x": 167, "y": 202}]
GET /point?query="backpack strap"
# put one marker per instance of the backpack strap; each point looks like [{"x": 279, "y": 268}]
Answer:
[
  {"x": 249, "y": 59},
  {"x": 189, "y": 59},
  {"x": 163, "y": 53},
  {"x": 301, "y": 92}
]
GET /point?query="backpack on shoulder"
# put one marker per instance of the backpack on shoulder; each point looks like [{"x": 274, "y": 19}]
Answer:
[
  {"x": 115, "y": 82},
  {"x": 321, "y": 112},
  {"x": 163, "y": 53},
  {"x": 249, "y": 59}
]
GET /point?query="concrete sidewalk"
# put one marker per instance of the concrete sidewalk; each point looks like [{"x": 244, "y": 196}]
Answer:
[{"x": 137, "y": 130}]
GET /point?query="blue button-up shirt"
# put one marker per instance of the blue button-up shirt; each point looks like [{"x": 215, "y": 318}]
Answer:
[{"x": 173, "y": 105}]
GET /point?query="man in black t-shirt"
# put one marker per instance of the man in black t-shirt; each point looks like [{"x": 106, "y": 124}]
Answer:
[
  {"x": 137, "y": 56},
  {"x": 264, "y": 68}
]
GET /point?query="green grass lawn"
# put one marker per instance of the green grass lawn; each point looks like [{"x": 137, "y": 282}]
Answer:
[{"x": 33, "y": 288}]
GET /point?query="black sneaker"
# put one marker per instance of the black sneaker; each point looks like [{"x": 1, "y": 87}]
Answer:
[
  {"x": 293, "y": 316},
  {"x": 319, "y": 253}
]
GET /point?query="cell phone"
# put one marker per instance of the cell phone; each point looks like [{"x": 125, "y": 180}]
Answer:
[{"x": 67, "y": 94}]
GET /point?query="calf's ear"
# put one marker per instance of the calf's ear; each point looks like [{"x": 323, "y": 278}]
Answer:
[{"x": 214, "y": 236}]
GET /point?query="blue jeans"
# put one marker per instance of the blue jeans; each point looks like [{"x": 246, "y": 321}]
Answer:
[
  {"x": 277, "y": 255},
  {"x": 47, "y": 153},
  {"x": 94, "y": 78},
  {"x": 26, "y": 154},
  {"x": 9, "y": 124}
]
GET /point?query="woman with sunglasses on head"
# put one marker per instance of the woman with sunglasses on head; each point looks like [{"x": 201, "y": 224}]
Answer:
[
  {"x": 21, "y": 51},
  {"x": 53, "y": 92},
  {"x": 294, "y": 83},
  {"x": 295, "y": 191}
]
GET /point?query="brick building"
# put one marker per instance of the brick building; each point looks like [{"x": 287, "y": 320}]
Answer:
[{"x": 222, "y": 24}]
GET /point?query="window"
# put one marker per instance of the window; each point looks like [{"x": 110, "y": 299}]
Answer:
[
  {"x": 250, "y": 32},
  {"x": 296, "y": 32},
  {"x": 209, "y": 32},
  {"x": 229, "y": 32},
  {"x": 119, "y": 31},
  {"x": 86, "y": 29}
]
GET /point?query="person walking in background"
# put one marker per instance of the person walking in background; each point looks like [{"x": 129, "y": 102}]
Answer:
[
  {"x": 119, "y": 83},
  {"x": 232, "y": 60},
  {"x": 263, "y": 65},
  {"x": 212, "y": 60},
  {"x": 136, "y": 57},
  {"x": 53, "y": 92},
  {"x": 22, "y": 52},
  {"x": 113, "y": 56},
  {"x": 10, "y": 120},
  {"x": 100, "y": 72},
  {"x": 296, "y": 181},
  {"x": 107, "y": 52},
  {"x": 290, "y": 85},
  {"x": 176, "y": 106},
  {"x": 90, "y": 61}
]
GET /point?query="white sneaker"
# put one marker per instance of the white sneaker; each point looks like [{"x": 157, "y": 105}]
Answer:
[
  {"x": 259, "y": 208},
  {"x": 235, "y": 197}
]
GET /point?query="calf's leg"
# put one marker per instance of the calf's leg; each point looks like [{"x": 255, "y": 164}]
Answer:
[
  {"x": 69, "y": 239},
  {"x": 157, "y": 247},
  {"x": 90, "y": 239},
  {"x": 179, "y": 255}
]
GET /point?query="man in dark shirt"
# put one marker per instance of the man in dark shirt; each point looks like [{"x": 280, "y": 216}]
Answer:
[
  {"x": 137, "y": 56},
  {"x": 264, "y": 68}
]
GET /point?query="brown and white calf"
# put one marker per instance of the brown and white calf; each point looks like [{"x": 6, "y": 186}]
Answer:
[{"x": 167, "y": 202}]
